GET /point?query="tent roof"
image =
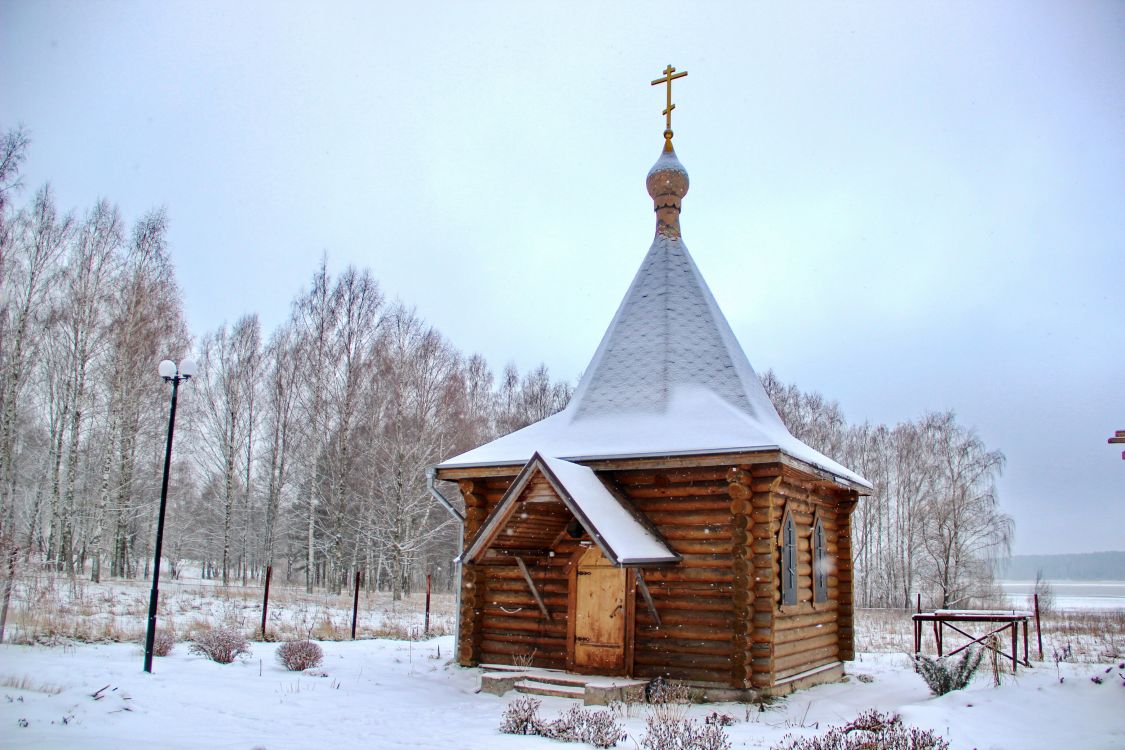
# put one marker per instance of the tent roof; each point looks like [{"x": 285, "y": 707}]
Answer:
[{"x": 669, "y": 378}]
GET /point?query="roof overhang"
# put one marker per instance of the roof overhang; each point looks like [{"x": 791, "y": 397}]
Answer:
[
  {"x": 624, "y": 536},
  {"x": 670, "y": 459}
]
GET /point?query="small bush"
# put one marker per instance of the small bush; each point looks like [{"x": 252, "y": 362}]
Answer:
[
  {"x": 660, "y": 691},
  {"x": 163, "y": 643},
  {"x": 943, "y": 675},
  {"x": 668, "y": 701},
  {"x": 597, "y": 728},
  {"x": 870, "y": 729},
  {"x": 668, "y": 725},
  {"x": 681, "y": 733},
  {"x": 522, "y": 717},
  {"x": 298, "y": 656},
  {"x": 221, "y": 644}
]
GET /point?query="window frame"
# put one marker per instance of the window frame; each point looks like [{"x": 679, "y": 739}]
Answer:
[
  {"x": 820, "y": 563},
  {"x": 788, "y": 560}
]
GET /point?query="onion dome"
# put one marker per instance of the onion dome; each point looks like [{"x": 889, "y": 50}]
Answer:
[{"x": 667, "y": 184}]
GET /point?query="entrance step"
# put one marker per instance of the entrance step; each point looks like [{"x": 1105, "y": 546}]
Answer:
[
  {"x": 593, "y": 690},
  {"x": 535, "y": 687}
]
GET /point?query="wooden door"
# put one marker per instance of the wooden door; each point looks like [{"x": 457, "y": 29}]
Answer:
[{"x": 599, "y": 615}]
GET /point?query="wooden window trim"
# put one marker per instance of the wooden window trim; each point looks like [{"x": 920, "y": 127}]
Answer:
[
  {"x": 819, "y": 559},
  {"x": 789, "y": 580}
]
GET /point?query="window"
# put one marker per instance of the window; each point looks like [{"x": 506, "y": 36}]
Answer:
[
  {"x": 820, "y": 564},
  {"x": 788, "y": 561}
]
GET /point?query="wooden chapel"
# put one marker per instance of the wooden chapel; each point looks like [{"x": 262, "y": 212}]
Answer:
[{"x": 665, "y": 523}]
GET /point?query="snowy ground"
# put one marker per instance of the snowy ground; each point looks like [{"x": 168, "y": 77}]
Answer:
[
  {"x": 404, "y": 694},
  {"x": 401, "y": 694}
]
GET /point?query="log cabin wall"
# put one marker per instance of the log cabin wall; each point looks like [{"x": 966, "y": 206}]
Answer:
[
  {"x": 721, "y": 621},
  {"x": 691, "y": 508},
  {"x": 481, "y": 497},
  {"x": 845, "y": 613},
  {"x": 511, "y": 625},
  {"x": 808, "y": 634}
]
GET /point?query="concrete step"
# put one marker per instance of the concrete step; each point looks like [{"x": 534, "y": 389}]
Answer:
[
  {"x": 559, "y": 679},
  {"x": 536, "y": 687}
]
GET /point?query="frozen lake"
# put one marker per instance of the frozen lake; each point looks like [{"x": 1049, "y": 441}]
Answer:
[{"x": 1071, "y": 594}]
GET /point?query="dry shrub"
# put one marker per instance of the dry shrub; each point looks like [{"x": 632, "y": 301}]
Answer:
[
  {"x": 597, "y": 728},
  {"x": 524, "y": 660},
  {"x": 298, "y": 656},
  {"x": 668, "y": 726},
  {"x": 326, "y": 630},
  {"x": 668, "y": 701},
  {"x": 682, "y": 733},
  {"x": 220, "y": 644},
  {"x": 522, "y": 717},
  {"x": 163, "y": 643},
  {"x": 870, "y": 729},
  {"x": 26, "y": 683}
]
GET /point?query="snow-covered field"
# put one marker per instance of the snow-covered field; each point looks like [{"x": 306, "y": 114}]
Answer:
[
  {"x": 67, "y": 692},
  {"x": 402, "y": 694}
]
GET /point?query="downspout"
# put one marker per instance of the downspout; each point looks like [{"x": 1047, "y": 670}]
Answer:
[{"x": 431, "y": 478}]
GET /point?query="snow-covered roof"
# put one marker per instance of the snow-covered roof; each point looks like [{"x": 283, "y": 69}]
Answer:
[
  {"x": 622, "y": 535},
  {"x": 668, "y": 378}
]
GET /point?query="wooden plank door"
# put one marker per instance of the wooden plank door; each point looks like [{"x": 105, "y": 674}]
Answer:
[{"x": 599, "y": 615}]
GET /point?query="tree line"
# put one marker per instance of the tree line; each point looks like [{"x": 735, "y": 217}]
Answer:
[
  {"x": 932, "y": 525},
  {"x": 304, "y": 448}
]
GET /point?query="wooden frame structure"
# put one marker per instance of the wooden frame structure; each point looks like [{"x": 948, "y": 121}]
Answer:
[{"x": 1000, "y": 622}]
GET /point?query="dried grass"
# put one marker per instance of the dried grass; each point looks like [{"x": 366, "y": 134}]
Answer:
[
  {"x": 1092, "y": 635},
  {"x": 51, "y": 608},
  {"x": 25, "y": 682}
]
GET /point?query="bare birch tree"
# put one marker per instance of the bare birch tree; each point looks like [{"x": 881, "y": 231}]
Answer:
[
  {"x": 81, "y": 333},
  {"x": 229, "y": 363},
  {"x": 39, "y": 238}
]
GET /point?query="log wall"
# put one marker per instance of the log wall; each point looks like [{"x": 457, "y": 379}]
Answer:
[
  {"x": 806, "y": 635},
  {"x": 721, "y": 621},
  {"x": 691, "y": 509}
]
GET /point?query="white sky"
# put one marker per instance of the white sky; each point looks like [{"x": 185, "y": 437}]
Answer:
[{"x": 905, "y": 206}]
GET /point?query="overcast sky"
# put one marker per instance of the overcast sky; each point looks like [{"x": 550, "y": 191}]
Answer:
[{"x": 904, "y": 206}]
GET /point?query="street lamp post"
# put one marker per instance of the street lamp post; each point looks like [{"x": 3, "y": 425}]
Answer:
[{"x": 173, "y": 375}]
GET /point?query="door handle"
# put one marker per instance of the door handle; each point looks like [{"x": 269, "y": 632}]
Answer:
[{"x": 616, "y": 609}]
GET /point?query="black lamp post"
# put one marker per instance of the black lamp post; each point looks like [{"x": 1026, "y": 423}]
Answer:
[{"x": 173, "y": 375}]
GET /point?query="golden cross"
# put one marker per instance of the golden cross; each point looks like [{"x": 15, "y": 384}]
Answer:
[{"x": 669, "y": 76}]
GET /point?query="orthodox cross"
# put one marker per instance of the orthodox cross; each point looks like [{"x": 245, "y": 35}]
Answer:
[{"x": 670, "y": 75}]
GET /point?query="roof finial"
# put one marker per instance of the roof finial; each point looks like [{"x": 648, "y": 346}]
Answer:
[{"x": 669, "y": 76}]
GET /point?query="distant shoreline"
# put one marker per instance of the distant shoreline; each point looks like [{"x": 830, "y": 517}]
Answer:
[
  {"x": 1085, "y": 566},
  {"x": 1070, "y": 594}
]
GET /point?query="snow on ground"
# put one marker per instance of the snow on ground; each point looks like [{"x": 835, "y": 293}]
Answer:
[{"x": 402, "y": 694}]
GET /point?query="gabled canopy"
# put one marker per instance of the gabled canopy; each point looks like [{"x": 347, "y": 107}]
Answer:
[{"x": 576, "y": 492}]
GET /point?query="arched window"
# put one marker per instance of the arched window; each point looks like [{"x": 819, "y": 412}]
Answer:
[
  {"x": 820, "y": 564},
  {"x": 788, "y": 561}
]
